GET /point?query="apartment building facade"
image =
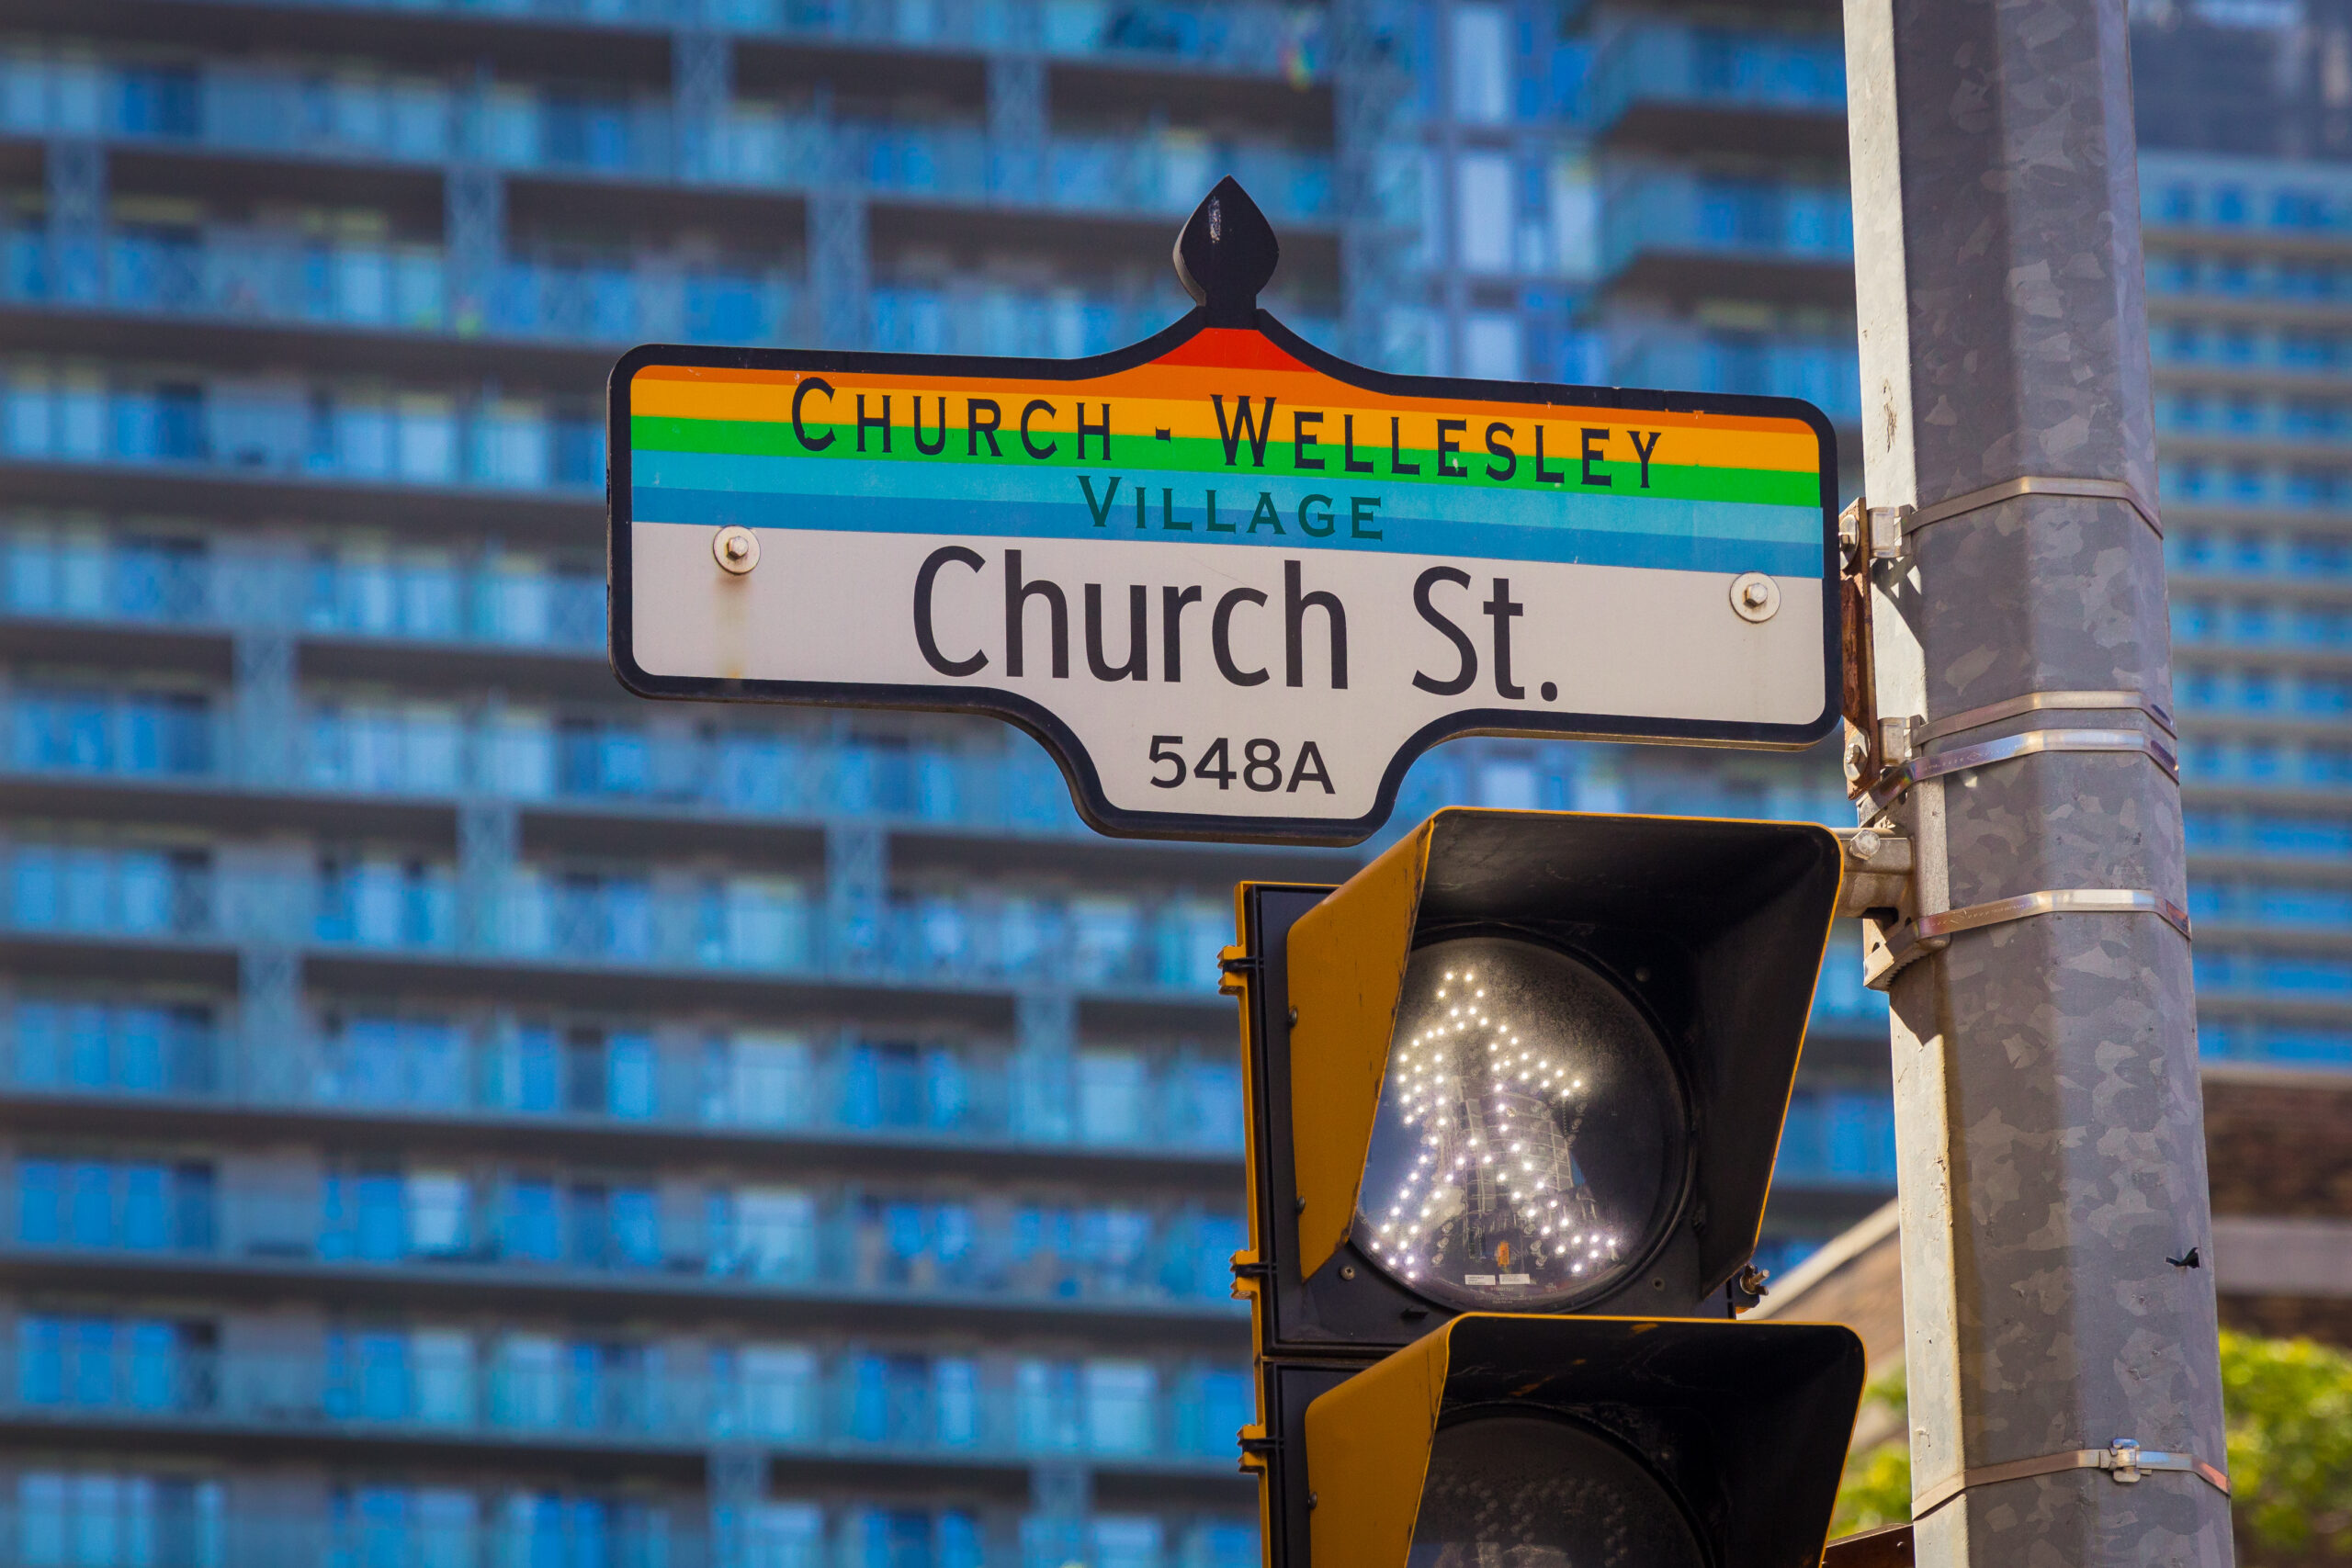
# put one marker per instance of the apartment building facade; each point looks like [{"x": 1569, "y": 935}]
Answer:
[{"x": 456, "y": 1115}]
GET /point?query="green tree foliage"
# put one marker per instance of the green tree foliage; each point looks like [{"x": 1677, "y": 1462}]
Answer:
[
  {"x": 1876, "y": 1488},
  {"x": 2289, "y": 1405},
  {"x": 2289, "y": 1408}
]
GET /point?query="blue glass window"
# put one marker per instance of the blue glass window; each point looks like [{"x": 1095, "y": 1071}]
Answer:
[{"x": 533, "y": 1228}]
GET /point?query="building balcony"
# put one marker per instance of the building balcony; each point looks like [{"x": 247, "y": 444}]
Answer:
[
  {"x": 213, "y": 295},
  {"x": 403, "y": 132},
  {"x": 547, "y": 928},
  {"x": 2205, "y": 355},
  {"x": 2285, "y": 914},
  {"x": 850, "y": 1258},
  {"x": 2318, "y": 720},
  {"x": 1287, "y": 42},
  {"x": 779, "y": 1100},
  {"x": 2293, "y": 243},
  {"x": 1667, "y": 86},
  {"x": 2303, "y": 803},
  {"x": 1823, "y": 371},
  {"x": 2223, "y": 289},
  {"x": 172, "y": 1518},
  {"x": 1125, "y": 1115},
  {"x": 2257, "y": 837},
  {"x": 2288, "y": 985},
  {"x": 204, "y": 297},
  {"x": 2267, "y": 767},
  {"x": 2255, "y": 499},
  {"x": 2295, "y": 631},
  {"x": 2287, "y": 565},
  {"x": 385, "y": 306},
  {"x": 1671, "y": 234},
  {"x": 2189, "y": 433},
  {"x": 2227, "y": 1032},
  {"x": 2217, "y": 198},
  {"x": 522, "y": 1398},
  {"x": 328, "y": 452},
  {"x": 659, "y": 937}
]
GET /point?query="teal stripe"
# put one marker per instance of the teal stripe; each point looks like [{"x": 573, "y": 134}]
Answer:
[{"x": 1579, "y": 512}]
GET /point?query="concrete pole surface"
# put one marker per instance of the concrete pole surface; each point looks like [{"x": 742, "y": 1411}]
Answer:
[{"x": 2052, "y": 1156}]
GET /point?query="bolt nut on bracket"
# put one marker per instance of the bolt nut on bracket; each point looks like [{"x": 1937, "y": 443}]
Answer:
[
  {"x": 1877, "y": 891},
  {"x": 1881, "y": 531},
  {"x": 1878, "y": 871}
]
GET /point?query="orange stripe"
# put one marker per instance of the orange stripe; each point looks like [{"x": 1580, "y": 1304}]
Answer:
[{"x": 1161, "y": 382}]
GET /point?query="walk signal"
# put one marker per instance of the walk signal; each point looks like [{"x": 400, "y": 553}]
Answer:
[{"x": 1515, "y": 1092}]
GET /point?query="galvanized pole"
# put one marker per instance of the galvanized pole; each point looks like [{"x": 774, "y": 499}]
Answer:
[{"x": 2052, "y": 1164}]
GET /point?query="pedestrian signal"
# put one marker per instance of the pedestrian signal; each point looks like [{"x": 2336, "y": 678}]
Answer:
[{"x": 1515, "y": 1091}]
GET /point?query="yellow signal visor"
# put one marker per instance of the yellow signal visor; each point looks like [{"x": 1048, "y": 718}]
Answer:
[
  {"x": 1515, "y": 1439},
  {"x": 1530, "y": 1045}
]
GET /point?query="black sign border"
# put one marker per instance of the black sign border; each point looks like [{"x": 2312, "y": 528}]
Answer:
[{"x": 1060, "y": 740}]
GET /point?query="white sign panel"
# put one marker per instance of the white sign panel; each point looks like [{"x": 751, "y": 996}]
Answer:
[{"x": 1235, "y": 584}]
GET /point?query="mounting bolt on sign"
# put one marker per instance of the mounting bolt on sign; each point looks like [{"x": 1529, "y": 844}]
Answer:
[
  {"x": 737, "y": 549},
  {"x": 1234, "y": 584}
]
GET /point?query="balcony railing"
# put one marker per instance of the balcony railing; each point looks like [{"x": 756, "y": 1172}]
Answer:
[
  {"x": 1289, "y": 41},
  {"x": 848, "y": 1245},
  {"x": 2317, "y": 629},
  {"x": 753, "y": 926},
  {"x": 83, "y": 1517},
  {"x": 180, "y": 580},
  {"x": 1159, "y": 1101},
  {"x": 427, "y": 751},
  {"x": 2265, "y": 834},
  {"x": 72, "y": 414},
  {"x": 1655, "y": 210},
  {"x": 1824, "y": 372},
  {"x": 273, "y": 277},
  {"x": 1683, "y": 68},
  {"x": 787, "y": 1399},
  {"x": 2301, "y": 558},
  {"x": 276, "y": 278},
  {"x": 523, "y": 130},
  {"x": 2278, "y": 977},
  {"x": 2301, "y": 200}
]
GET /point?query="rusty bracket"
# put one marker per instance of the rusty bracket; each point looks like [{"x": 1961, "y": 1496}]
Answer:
[
  {"x": 1866, "y": 536},
  {"x": 1879, "y": 890}
]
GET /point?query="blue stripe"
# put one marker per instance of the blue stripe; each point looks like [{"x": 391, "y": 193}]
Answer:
[
  {"x": 1398, "y": 533},
  {"x": 1591, "y": 511}
]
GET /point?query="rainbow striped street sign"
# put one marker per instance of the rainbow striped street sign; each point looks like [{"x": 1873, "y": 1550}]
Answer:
[{"x": 1235, "y": 584}]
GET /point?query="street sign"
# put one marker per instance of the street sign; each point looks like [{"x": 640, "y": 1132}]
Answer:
[{"x": 1233, "y": 583}]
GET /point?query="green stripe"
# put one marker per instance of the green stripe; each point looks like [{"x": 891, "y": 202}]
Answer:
[{"x": 1205, "y": 454}]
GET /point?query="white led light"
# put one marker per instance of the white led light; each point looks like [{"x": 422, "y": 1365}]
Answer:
[{"x": 1506, "y": 1209}]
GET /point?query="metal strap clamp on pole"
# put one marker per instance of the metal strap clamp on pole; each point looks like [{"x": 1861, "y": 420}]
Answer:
[
  {"x": 1961, "y": 759},
  {"x": 2060, "y": 901},
  {"x": 2035, "y": 484},
  {"x": 2037, "y": 702},
  {"x": 2126, "y": 1461}
]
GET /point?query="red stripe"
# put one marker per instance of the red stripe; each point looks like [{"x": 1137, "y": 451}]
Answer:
[{"x": 1230, "y": 348}]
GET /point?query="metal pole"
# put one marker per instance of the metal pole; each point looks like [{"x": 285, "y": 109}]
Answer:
[{"x": 2052, "y": 1157}]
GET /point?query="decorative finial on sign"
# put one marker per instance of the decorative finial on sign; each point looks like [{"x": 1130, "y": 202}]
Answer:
[{"x": 1225, "y": 254}]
